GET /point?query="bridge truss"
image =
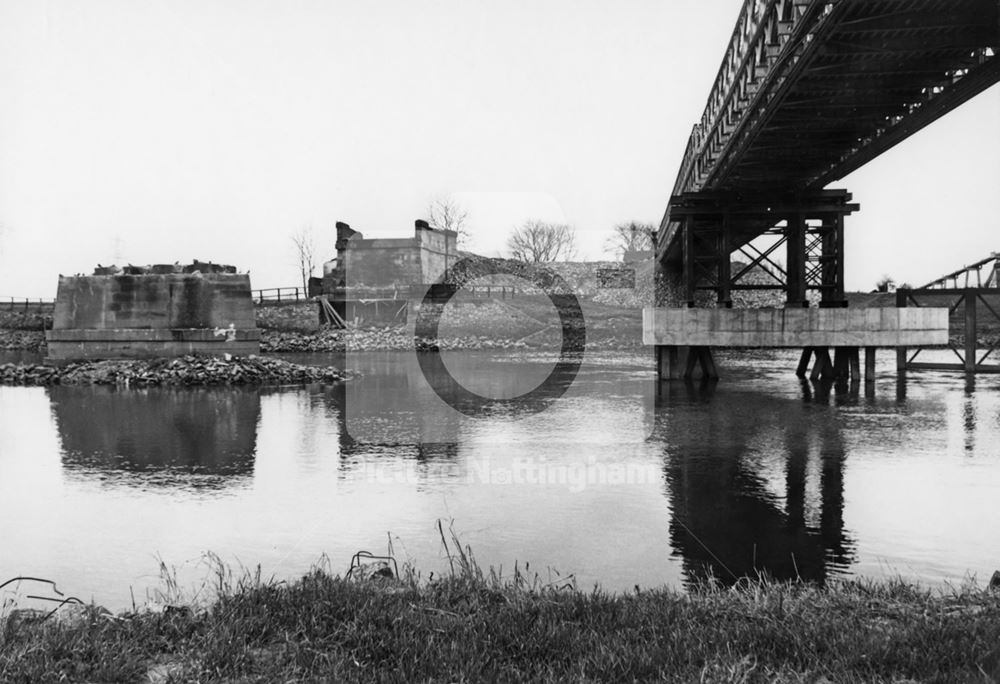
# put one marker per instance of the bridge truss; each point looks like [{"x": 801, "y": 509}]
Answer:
[{"x": 807, "y": 92}]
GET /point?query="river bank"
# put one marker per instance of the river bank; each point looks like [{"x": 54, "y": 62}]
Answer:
[{"x": 474, "y": 626}]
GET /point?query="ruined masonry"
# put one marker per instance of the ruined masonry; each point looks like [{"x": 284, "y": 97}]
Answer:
[
  {"x": 157, "y": 311},
  {"x": 390, "y": 262}
]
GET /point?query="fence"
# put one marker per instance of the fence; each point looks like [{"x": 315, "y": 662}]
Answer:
[
  {"x": 25, "y": 304},
  {"x": 279, "y": 295},
  {"x": 286, "y": 295}
]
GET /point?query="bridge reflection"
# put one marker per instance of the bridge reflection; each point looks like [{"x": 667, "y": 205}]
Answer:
[
  {"x": 756, "y": 485},
  {"x": 180, "y": 432}
]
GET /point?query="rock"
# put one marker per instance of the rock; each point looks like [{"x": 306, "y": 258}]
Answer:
[{"x": 995, "y": 581}]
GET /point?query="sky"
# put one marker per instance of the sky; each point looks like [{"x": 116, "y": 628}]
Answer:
[{"x": 147, "y": 131}]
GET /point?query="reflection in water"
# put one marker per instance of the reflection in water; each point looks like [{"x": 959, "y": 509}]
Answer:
[
  {"x": 723, "y": 455},
  {"x": 969, "y": 415},
  {"x": 183, "y": 431},
  {"x": 431, "y": 460},
  {"x": 392, "y": 402}
]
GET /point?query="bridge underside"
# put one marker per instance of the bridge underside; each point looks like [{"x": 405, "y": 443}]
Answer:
[
  {"x": 808, "y": 92},
  {"x": 809, "y": 228},
  {"x": 873, "y": 73}
]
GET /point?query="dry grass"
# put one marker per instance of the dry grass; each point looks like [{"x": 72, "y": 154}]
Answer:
[{"x": 476, "y": 625}]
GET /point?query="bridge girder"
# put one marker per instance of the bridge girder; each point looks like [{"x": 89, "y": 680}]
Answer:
[{"x": 811, "y": 90}]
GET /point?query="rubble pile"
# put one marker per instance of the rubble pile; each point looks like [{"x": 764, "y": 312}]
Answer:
[
  {"x": 22, "y": 340},
  {"x": 26, "y": 320},
  {"x": 373, "y": 339},
  {"x": 300, "y": 317},
  {"x": 186, "y": 370}
]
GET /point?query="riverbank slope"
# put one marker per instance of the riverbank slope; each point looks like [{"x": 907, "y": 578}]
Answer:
[{"x": 475, "y": 627}]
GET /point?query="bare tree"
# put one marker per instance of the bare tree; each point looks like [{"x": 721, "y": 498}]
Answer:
[
  {"x": 885, "y": 284},
  {"x": 536, "y": 241},
  {"x": 444, "y": 214},
  {"x": 631, "y": 236},
  {"x": 305, "y": 253}
]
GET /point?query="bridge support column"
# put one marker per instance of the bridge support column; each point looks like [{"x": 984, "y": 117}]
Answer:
[
  {"x": 676, "y": 362},
  {"x": 832, "y": 262},
  {"x": 668, "y": 363},
  {"x": 901, "y": 352},
  {"x": 869, "y": 365},
  {"x": 796, "y": 259},
  {"x": 971, "y": 348},
  {"x": 706, "y": 231}
]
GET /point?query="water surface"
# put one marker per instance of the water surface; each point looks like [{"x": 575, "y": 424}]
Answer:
[{"x": 758, "y": 474}]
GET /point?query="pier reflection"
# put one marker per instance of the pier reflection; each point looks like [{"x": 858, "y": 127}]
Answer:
[
  {"x": 756, "y": 484},
  {"x": 362, "y": 459},
  {"x": 392, "y": 401},
  {"x": 190, "y": 431}
]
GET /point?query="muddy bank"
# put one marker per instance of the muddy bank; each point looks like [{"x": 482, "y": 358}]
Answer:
[{"x": 187, "y": 370}]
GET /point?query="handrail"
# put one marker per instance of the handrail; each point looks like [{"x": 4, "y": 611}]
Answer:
[{"x": 761, "y": 33}]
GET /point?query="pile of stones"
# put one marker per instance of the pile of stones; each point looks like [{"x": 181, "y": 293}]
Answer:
[{"x": 188, "y": 370}]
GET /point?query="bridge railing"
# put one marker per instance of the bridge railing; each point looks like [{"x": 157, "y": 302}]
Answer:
[
  {"x": 970, "y": 276},
  {"x": 761, "y": 34},
  {"x": 770, "y": 39}
]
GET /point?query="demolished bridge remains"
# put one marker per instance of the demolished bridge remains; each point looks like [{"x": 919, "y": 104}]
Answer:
[
  {"x": 373, "y": 279},
  {"x": 390, "y": 262},
  {"x": 163, "y": 310}
]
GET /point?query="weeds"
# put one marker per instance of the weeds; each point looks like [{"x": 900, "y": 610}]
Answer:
[{"x": 474, "y": 625}]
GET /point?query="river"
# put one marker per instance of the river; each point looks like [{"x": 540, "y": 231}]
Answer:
[{"x": 611, "y": 482}]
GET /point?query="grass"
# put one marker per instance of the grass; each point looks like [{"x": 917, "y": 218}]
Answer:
[{"x": 476, "y": 625}]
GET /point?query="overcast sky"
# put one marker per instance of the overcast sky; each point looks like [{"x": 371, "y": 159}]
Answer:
[{"x": 162, "y": 131}]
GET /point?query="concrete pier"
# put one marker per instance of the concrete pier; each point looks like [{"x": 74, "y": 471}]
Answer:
[
  {"x": 150, "y": 315},
  {"x": 684, "y": 337}
]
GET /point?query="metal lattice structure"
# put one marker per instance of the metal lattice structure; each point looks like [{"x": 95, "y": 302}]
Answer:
[
  {"x": 809, "y": 91},
  {"x": 972, "y": 295},
  {"x": 984, "y": 273}
]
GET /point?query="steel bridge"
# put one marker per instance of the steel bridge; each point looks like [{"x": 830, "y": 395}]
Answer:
[{"x": 809, "y": 91}]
